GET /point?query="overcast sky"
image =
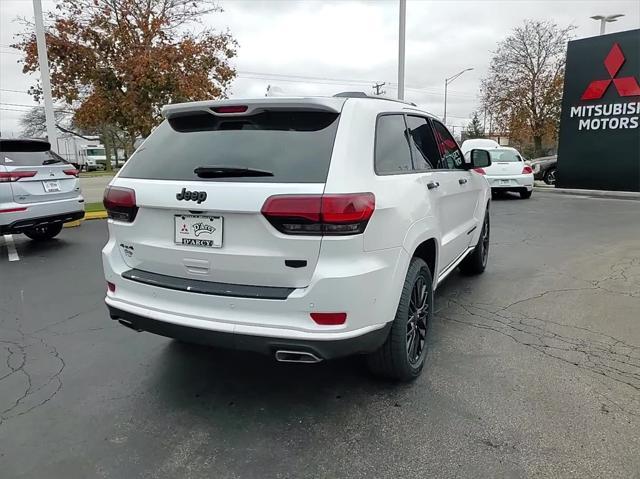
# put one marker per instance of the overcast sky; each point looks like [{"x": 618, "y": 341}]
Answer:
[{"x": 347, "y": 45}]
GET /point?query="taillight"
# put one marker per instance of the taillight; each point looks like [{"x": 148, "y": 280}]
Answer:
[
  {"x": 346, "y": 214},
  {"x": 71, "y": 172},
  {"x": 111, "y": 287},
  {"x": 480, "y": 170},
  {"x": 120, "y": 203},
  {"x": 230, "y": 109},
  {"x": 11, "y": 176},
  {"x": 329, "y": 319},
  {"x": 527, "y": 170}
]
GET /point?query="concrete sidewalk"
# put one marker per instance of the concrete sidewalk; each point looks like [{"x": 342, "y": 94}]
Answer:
[{"x": 619, "y": 195}]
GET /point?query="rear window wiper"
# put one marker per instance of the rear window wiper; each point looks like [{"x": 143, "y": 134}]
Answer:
[
  {"x": 228, "y": 172},
  {"x": 50, "y": 162}
]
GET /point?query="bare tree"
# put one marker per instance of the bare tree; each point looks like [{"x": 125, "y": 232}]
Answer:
[
  {"x": 33, "y": 123},
  {"x": 523, "y": 88}
]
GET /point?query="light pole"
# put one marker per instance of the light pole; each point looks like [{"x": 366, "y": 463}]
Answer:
[
  {"x": 446, "y": 85},
  {"x": 606, "y": 19},
  {"x": 401, "y": 35},
  {"x": 43, "y": 61}
]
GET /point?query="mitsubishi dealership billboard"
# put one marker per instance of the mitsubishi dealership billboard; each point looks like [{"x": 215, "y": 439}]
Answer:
[{"x": 599, "y": 146}]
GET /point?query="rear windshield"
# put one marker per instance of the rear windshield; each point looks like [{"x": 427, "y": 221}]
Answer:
[
  {"x": 294, "y": 146},
  {"x": 498, "y": 156},
  {"x": 29, "y": 158}
]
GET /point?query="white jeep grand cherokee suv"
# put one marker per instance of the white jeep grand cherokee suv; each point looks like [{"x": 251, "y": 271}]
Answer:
[{"x": 304, "y": 228}]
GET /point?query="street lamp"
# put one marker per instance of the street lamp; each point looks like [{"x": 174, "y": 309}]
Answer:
[
  {"x": 606, "y": 19},
  {"x": 446, "y": 85}
]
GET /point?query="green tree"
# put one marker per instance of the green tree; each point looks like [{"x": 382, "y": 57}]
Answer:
[
  {"x": 523, "y": 88},
  {"x": 119, "y": 61},
  {"x": 474, "y": 129}
]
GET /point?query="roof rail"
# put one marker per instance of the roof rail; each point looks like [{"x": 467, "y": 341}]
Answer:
[{"x": 361, "y": 94}]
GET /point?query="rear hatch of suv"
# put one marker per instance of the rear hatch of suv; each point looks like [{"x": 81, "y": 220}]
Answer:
[
  {"x": 34, "y": 173},
  {"x": 192, "y": 201}
]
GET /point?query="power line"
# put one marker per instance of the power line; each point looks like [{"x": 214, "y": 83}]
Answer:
[{"x": 15, "y": 91}]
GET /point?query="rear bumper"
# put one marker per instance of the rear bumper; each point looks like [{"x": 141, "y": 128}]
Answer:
[
  {"x": 325, "y": 349},
  {"x": 37, "y": 214},
  {"x": 511, "y": 182}
]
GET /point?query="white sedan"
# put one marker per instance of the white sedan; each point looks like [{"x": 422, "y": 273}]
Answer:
[{"x": 508, "y": 172}]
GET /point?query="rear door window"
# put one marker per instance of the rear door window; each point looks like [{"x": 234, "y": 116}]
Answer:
[
  {"x": 423, "y": 146},
  {"x": 295, "y": 147},
  {"x": 450, "y": 155},
  {"x": 392, "y": 153}
]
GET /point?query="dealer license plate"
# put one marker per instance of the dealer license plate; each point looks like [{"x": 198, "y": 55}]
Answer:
[
  {"x": 198, "y": 230},
  {"x": 51, "y": 186}
]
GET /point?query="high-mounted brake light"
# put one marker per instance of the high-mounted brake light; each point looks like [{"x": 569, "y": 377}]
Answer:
[
  {"x": 72, "y": 172},
  {"x": 527, "y": 170},
  {"x": 332, "y": 214},
  {"x": 120, "y": 203},
  {"x": 11, "y": 176},
  {"x": 480, "y": 170},
  {"x": 231, "y": 109}
]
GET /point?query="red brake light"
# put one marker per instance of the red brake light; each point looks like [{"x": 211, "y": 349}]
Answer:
[
  {"x": 120, "y": 203},
  {"x": 71, "y": 172},
  {"x": 480, "y": 170},
  {"x": 343, "y": 214},
  {"x": 527, "y": 170},
  {"x": 329, "y": 319},
  {"x": 111, "y": 287},
  {"x": 13, "y": 210},
  {"x": 11, "y": 176},
  {"x": 230, "y": 109}
]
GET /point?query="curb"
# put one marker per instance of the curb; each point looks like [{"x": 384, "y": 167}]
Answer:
[
  {"x": 618, "y": 195},
  {"x": 95, "y": 215},
  {"x": 92, "y": 215}
]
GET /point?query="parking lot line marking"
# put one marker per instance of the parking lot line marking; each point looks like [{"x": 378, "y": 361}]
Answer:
[{"x": 11, "y": 248}]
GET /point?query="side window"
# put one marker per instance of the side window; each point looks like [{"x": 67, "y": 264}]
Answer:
[
  {"x": 392, "y": 154},
  {"x": 450, "y": 155},
  {"x": 423, "y": 146}
]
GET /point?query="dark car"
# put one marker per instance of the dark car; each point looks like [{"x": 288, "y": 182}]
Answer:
[{"x": 545, "y": 169}]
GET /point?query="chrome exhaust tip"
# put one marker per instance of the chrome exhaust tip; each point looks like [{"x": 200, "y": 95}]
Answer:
[{"x": 297, "y": 357}]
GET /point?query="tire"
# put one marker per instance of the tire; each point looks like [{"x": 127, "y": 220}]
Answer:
[
  {"x": 525, "y": 195},
  {"x": 550, "y": 176},
  {"x": 476, "y": 262},
  {"x": 44, "y": 232},
  {"x": 393, "y": 360}
]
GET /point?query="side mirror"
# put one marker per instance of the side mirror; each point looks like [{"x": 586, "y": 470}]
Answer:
[{"x": 479, "y": 159}]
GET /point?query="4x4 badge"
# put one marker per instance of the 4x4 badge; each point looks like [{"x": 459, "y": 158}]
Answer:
[{"x": 198, "y": 196}]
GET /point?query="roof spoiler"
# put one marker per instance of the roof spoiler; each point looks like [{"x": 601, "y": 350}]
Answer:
[{"x": 332, "y": 105}]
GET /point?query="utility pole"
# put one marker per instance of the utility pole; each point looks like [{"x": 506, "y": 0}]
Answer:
[
  {"x": 378, "y": 88},
  {"x": 401, "y": 35},
  {"x": 43, "y": 61}
]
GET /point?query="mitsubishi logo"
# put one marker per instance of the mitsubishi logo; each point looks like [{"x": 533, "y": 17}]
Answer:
[{"x": 626, "y": 86}]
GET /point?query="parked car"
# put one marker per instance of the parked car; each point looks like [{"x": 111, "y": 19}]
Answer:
[
  {"x": 39, "y": 191},
  {"x": 302, "y": 228},
  {"x": 545, "y": 168},
  {"x": 480, "y": 143},
  {"x": 508, "y": 172}
]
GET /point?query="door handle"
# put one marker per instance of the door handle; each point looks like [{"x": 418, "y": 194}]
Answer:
[
  {"x": 433, "y": 185},
  {"x": 462, "y": 181}
]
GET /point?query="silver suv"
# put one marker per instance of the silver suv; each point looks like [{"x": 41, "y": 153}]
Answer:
[{"x": 39, "y": 191}]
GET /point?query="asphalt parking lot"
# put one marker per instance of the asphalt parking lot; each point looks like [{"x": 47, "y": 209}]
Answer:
[{"x": 533, "y": 371}]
